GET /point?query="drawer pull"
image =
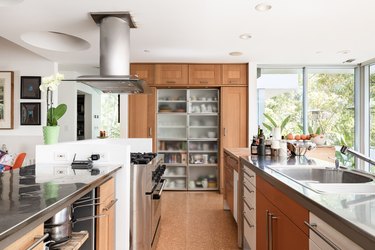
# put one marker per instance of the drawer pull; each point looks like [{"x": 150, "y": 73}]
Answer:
[
  {"x": 113, "y": 202},
  {"x": 203, "y": 81},
  {"x": 38, "y": 240},
  {"x": 250, "y": 208},
  {"x": 251, "y": 191},
  {"x": 313, "y": 227},
  {"x": 250, "y": 176},
  {"x": 248, "y": 223}
]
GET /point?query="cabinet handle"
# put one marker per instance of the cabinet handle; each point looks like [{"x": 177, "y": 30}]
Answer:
[
  {"x": 149, "y": 131},
  {"x": 38, "y": 240},
  {"x": 171, "y": 81},
  {"x": 248, "y": 223},
  {"x": 113, "y": 202},
  {"x": 225, "y": 131},
  {"x": 250, "y": 208},
  {"x": 251, "y": 191},
  {"x": 272, "y": 218},
  {"x": 313, "y": 227},
  {"x": 232, "y": 81},
  {"x": 250, "y": 176},
  {"x": 203, "y": 81},
  {"x": 268, "y": 229}
]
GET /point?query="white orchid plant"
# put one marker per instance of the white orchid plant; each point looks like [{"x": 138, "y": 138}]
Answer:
[{"x": 49, "y": 84}]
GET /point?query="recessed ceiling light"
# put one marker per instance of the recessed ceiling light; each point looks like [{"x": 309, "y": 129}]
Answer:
[
  {"x": 146, "y": 51},
  {"x": 344, "y": 52},
  {"x": 349, "y": 60},
  {"x": 235, "y": 53},
  {"x": 245, "y": 36},
  {"x": 318, "y": 52},
  {"x": 262, "y": 7}
]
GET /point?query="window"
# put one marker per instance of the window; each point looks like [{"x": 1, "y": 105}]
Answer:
[
  {"x": 109, "y": 115},
  {"x": 279, "y": 95},
  {"x": 372, "y": 110},
  {"x": 330, "y": 96}
]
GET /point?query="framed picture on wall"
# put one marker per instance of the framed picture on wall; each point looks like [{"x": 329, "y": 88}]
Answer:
[
  {"x": 6, "y": 99},
  {"x": 30, "y": 87},
  {"x": 30, "y": 113}
]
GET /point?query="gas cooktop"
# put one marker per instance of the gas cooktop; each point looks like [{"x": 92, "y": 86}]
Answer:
[{"x": 142, "y": 158}]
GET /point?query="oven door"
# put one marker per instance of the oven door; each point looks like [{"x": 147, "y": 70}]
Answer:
[{"x": 156, "y": 211}]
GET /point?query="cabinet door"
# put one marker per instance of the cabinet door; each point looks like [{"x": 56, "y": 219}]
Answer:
[
  {"x": 171, "y": 74},
  {"x": 274, "y": 228},
  {"x": 105, "y": 227},
  {"x": 233, "y": 119},
  {"x": 142, "y": 116},
  {"x": 144, "y": 71},
  {"x": 204, "y": 74},
  {"x": 235, "y": 74},
  {"x": 28, "y": 239}
]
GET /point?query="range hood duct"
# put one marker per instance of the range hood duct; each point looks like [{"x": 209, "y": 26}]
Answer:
[{"x": 114, "y": 56}]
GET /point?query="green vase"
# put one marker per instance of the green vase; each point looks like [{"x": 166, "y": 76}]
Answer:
[{"x": 51, "y": 134}]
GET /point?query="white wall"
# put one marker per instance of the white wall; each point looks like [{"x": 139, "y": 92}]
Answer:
[
  {"x": 23, "y": 63},
  {"x": 253, "y": 101}
]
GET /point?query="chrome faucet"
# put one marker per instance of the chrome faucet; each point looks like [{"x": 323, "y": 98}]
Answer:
[{"x": 344, "y": 149}]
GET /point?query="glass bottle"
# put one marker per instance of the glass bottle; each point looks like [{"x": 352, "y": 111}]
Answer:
[
  {"x": 254, "y": 147},
  {"x": 261, "y": 147}
]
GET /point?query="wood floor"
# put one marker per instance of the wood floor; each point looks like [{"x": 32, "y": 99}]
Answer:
[{"x": 196, "y": 220}]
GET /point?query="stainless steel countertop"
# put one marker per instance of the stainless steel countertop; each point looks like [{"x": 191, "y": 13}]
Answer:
[
  {"x": 26, "y": 202},
  {"x": 355, "y": 219}
]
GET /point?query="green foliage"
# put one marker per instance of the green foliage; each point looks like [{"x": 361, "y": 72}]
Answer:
[
  {"x": 109, "y": 113},
  {"x": 274, "y": 124},
  {"x": 55, "y": 113}
]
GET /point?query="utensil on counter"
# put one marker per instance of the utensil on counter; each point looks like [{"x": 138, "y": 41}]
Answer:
[{"x": 299, "y": 148}]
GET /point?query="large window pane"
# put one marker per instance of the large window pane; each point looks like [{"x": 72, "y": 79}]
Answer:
[
  {"x": 372, "y": 111},
  {"x": 109, "y": 115},
  {"x": 330, "y": 97},
  {"x": 280, "y": 95}
]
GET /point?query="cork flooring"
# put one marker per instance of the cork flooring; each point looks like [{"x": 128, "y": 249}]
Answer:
[{"x": 196, "y": 220}]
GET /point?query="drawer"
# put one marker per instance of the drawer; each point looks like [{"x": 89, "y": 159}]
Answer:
[
  {"x": 249, "y": 195},
  {"x": 247, "y": 182},
  {"x": 232, "y": 162},
  {"x": 250, "y": 175},
  {"x": 250, "y": 232},
  {"x": 249, "y": 211}
]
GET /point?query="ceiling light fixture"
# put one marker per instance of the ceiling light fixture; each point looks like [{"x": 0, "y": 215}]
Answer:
[
  {"x": 245, "y": 36},
  {"x": 344, "y": 52},
  {"x": 349, "y": 60},
  {"x": 235, "y": 53},
  {"x": 263, "y": 7},
  {"x": 318, "y": 52}
]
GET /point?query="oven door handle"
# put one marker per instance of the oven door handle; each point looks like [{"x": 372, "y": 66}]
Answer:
[{"x": 158, "y": 195}]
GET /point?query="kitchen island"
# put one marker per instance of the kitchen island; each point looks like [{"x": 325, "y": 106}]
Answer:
[
  {"x": 350, "y": 214},
  {"x": 26, "y": 202}
]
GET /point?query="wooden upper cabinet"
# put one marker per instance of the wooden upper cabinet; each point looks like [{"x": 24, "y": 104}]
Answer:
[
  {"x": 171, "y": 74},
  {"x": 234, "y": 74},
  {"x": 204, "y": 74},
  {"x": 143, "y": 71}
]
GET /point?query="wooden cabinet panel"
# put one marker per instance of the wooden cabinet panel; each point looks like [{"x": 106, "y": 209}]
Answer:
[
  {"x": 144, "y": 71},
  {"x": 235, "y": 74},
  {"x": 281, "y": 232},
  {"x": 204, "y": 74},
  {"x": 228, "y": 180},
  {"x": 142, "y": 116},
  {"x": 28, "y": 239},
  {"x": 233, "y": 120},
  {"x": 105, "y": 226},
  {"x": 293, "y": 210},
  {"x": 171, "y": 74}
]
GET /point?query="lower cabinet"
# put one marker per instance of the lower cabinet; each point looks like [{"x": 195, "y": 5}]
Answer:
[
  {"x": 29, "y": 239},
  {"x": 279, "y": 220},
  {"x": 105, "y": 227},
  {"x": 323, "y": 236}
]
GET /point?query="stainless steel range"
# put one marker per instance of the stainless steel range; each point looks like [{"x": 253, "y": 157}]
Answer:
[{"x": 147, "y": 186}]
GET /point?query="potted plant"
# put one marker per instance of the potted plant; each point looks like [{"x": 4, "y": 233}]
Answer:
[{"x": 51, "y": 130}]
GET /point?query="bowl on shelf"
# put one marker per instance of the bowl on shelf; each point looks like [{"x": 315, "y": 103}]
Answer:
[
  {"x": 211, "y": 134},
  {"x": 180, "y": 183},
  {"x": 180, "y": 170}
]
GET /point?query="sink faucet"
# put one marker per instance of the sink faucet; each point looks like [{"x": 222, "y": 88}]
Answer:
[{"x": 344, "y": 149}]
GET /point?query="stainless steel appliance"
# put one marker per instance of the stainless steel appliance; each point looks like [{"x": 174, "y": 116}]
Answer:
[{"x": 147, "y": 186}]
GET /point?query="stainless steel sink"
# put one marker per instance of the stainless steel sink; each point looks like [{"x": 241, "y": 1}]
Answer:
[
  {"x": 328, "y": 180},
  {"x": 322, "y": 175}
]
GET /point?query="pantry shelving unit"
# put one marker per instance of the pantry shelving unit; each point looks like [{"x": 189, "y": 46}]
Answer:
[{"x": 187, "y": 137}]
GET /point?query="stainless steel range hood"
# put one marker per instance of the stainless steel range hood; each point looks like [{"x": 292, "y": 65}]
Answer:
[{"x": 114, "y": 56}]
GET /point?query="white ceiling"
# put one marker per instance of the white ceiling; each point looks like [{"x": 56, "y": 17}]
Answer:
[{"x": 292, "y": 32}]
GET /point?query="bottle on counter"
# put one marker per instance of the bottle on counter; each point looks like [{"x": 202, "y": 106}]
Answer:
[
  {"x": 261, "y": 135},
  {"x": 267, "y": 146},
  {"x": 261, "y": 147},
  {"x": 254, "y": 147}
]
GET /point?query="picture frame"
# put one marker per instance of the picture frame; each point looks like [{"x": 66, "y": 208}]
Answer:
[
  {"x": 30, "y": 87},
  {"x": 30, "y": 113},
  {"x": 6, "y": 99}
]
